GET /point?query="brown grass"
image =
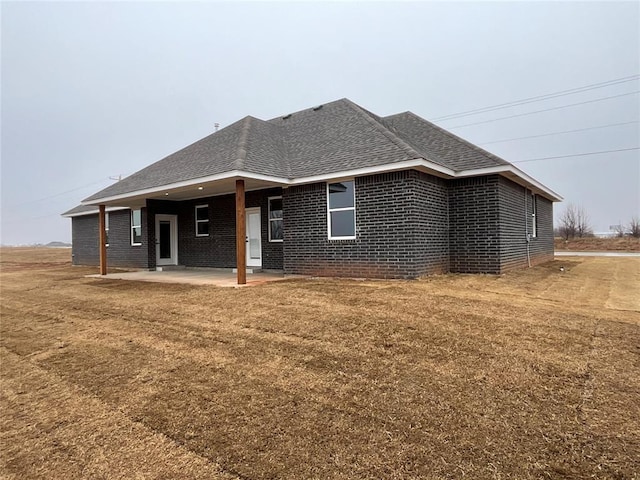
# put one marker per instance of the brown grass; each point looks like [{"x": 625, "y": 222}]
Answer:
[
  {"x": 594, "y": 244},
  {"x": 534, "y": 374}
]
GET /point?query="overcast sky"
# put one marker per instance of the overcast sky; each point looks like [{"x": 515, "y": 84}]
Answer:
[{"x": 96, "y": 90}]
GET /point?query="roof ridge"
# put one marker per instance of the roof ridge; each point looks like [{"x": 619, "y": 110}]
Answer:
[
  {"x": 482, "y": 151},
  {"x": 404, "y": 146},
  {"x": 302, "y": 110},
  {"x": 241, "y": 151}
]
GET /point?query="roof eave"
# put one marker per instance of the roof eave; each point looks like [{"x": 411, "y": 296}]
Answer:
[
  {"x": 122, "y": 198},
  {"x": 91, "y": 212},
  {"x": 511, "y": 169},
  {"x": 416, "y": 163}
]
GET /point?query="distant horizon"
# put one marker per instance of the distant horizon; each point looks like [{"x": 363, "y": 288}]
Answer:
[{"x": 49, "y": 245}]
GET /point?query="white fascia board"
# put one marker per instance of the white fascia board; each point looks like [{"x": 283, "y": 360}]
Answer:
[
  {"x": 387, "y": 167},
  {"x": 93, "y": 212},
  {"x": 515, "y": 171},
  {"x": 188, "y": 183}
]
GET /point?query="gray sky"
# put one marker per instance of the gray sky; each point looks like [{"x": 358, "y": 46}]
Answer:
[{"x": 93, "y": 90}]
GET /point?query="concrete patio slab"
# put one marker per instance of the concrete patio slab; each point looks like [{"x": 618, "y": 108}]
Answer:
[{"x": 217, "y": 278}]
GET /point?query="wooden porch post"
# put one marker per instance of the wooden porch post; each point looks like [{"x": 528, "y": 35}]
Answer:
[
  {"x": 102, "y": 238},
  {"x": 241, "y": 233}
]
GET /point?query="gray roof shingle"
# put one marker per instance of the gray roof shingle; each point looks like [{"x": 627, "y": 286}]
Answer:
[
  {"x": 80, "y": 209},
  {"x": 338, "y": 136},
  {"x": 439, "y": 145}
]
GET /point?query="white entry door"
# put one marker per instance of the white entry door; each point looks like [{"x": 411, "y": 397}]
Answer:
[
  {"x": 254, "y": 238},
  {"x": 166, "y": 240}
]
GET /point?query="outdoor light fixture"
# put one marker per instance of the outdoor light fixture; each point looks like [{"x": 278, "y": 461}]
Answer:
[
  {"x": 200, "y": 187},
  {"x": 166, "y": 194}
]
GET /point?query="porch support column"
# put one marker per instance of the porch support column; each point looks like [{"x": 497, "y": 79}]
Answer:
[
  {"x": 102, "y": 238},
  {"x": 241, "y": 233}
]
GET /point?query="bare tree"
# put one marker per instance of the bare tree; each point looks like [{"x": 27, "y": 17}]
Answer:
[
  {"x": 574, "y": 222},
  {"x": 634, "y": 227},
  {"x": 568, "y": 222},
  {"x": 583, "y": 227},
  {"x": 618, "y": 230}
]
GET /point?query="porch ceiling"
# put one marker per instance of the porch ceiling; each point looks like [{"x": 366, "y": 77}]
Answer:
[{"x": 195, "y": 190}]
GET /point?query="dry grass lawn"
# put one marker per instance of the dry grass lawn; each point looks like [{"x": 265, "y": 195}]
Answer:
[
  {"x": 534, "y": 374},
  {"x": 595, "y": 244}
]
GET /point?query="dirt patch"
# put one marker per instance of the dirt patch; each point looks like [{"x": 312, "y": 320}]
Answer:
[{"x": 532, "y": 374}]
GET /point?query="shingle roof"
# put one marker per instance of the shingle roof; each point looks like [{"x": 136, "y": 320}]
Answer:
[
  {"x": 439, "y": 145},
  {"x": 80, "y": 209},
  {"x": 336, "y": 137}
]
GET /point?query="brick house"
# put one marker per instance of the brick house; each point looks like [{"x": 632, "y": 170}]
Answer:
[{"x": 333, "y": 190}]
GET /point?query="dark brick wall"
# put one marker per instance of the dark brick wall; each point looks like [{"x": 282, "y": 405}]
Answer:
[
  {"x": 401, "y": 229},
  {"x": 542, "y": 246},
  {"x": 219, "y": 248},
  {"x": 431, "y": 216},
  {"x": 84, "y": 239},
  {"x": 407, "y": 224},
  {"x": 120, "y": 252},
  {"x": 516, "y": 223},
  {"x": 474, "y": 225}
]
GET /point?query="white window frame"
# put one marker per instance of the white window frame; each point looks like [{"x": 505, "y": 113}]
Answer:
[
  {"x": 135, "y": 244},
  {"x": 341, "y": 209},
  {"x": 197, "y": 222},
  {"x": 274, "y": 240},
  {"x": 534, "y": 216},
  {"x": 106, "y": 228}
]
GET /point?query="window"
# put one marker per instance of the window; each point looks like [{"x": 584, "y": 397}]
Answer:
[
  {"x": 106, "y": 229},
  {"x": 342, "y": 210},
  {"x": 202, "y": 220},
  {"x": 136, "y": 227},
  {"x": 275, "y": 219},
  {"x": 534, "y": 215}
]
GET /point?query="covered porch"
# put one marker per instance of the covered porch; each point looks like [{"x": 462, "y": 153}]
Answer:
[{"x": 171, "y": 234}]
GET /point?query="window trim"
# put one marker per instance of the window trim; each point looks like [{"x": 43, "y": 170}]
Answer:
[
  {"x": 274, "y": 240},
  {"x": 534, "y": 216},
  {"x": 132, "y": 226},
  {"x": 341, "y": 209},
  {"x": 106, "y": 228},
  {"x": 195, "y": 212}
]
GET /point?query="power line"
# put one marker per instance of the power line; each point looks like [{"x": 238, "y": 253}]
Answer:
[
  {"x": 560, "y": 133},
  {"x": 22, "y": 219},
  {"x": 576, "y": 155},
  {"x": 65, "y": 192},
  {"x": 547, "y": 109},
  {"x": 538, "y": 98},
  {"x": 68, "y": 191}
]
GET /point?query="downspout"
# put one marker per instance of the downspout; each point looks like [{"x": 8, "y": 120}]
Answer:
[{"x": 526, "y": 227}]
